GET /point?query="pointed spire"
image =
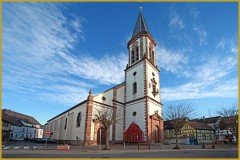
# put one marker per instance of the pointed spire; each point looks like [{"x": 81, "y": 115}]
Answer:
[{"x": 141, "y": 25}]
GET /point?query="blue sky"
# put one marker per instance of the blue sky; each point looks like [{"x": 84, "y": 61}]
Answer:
[{"x": 53, "y": 53}]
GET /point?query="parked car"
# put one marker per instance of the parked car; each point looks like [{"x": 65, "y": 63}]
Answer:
[{"x": 19, "y": 139}]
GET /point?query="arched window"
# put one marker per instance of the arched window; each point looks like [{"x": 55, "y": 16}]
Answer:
[
  {"x": 79, "y": 118},
  {"x": 137, "y": 53},
  {"x": 65, "y": 127},
  {"x": 132, "y": 56},
  {"x": 153, "y": 56},
  {"x": 150, "y": 55},
  {"x": 134, "y": 87}
]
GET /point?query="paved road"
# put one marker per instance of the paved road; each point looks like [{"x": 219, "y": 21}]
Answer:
[{"x": 193, "y": 153}]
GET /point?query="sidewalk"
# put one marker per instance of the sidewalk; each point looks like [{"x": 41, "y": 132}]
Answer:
[
  {"x": 120, "y": 147},
  {"x": 152, "y": 147}
]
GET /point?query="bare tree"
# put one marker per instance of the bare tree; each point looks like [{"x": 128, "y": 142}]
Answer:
[
  {"x": 106, "y": 117},
  {"x": 178, "y": 113},
  {"x": 229, "y": 119}
]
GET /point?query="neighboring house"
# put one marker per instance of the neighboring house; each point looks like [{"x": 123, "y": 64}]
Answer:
[
  {"x": 5, "y": 129},
  {"x": 212, "y": 122},
  {"x": 39, "y": 132},
  {"x": 190, "y": 133},
  {"x": 136, "y": 100},
  {"x": 221, "y": 128},
  {"x": 22, "y": 126},
  {"x": 228, "y": 129}
]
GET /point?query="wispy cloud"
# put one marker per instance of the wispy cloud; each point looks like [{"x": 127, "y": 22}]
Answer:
[
  {"x": 210, "y": 77},
  {"x": 171, "y": 60},
  {"x": 38, "y": 40},
  {"x": 194, "y": 12},
  {"x": 202, "y": 34},
  {"x": 175, "y": 21}
]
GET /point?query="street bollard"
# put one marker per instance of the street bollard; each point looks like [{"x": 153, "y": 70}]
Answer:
[
  {"x": 203, "y": 146},
  {"x": 124, "y": 145},
  {"x": 138, "y": 146},
  {"x": 213, "y": 146},
  {"x": 149, "y": 147},
  {"x": 32, "y": 148}
]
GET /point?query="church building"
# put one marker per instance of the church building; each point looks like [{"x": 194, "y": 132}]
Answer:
[{"x": 135, "y": 103}]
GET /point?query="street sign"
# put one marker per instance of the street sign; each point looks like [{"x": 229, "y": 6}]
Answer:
[{"x": 47, "y": 132}]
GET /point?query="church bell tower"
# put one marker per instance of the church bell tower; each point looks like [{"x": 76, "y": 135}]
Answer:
[{"x": 143, "y": 105}]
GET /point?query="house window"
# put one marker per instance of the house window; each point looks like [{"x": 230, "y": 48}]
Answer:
[
  {"x": 65, "y": 127},
  {"x": 134, "y": 87},
  {"x": 79, "y": 118},
  {"x": 133, "y": 57}
]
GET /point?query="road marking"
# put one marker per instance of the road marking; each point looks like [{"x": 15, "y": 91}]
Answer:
[
  {"x": 6, "y": 147},
  {"x": 25, "y": 147},
  {"x": 16, "y": 147}
]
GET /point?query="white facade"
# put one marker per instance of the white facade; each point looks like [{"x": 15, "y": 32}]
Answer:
[
  {"x": 135, "y": 100},
  {"x": 68, "y": 119},
  {"x": 21, "y": 132}
]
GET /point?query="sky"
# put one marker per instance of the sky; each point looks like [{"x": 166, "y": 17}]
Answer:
[{"x": 53, "y": 53}]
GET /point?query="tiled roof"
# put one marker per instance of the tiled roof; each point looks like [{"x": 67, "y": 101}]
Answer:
[
  {"x": 199, "y": 125},
  {"x": 5, "y": 118},
  {"x": 15, "y": 118},
  {"x": 209, "y": 120}
]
